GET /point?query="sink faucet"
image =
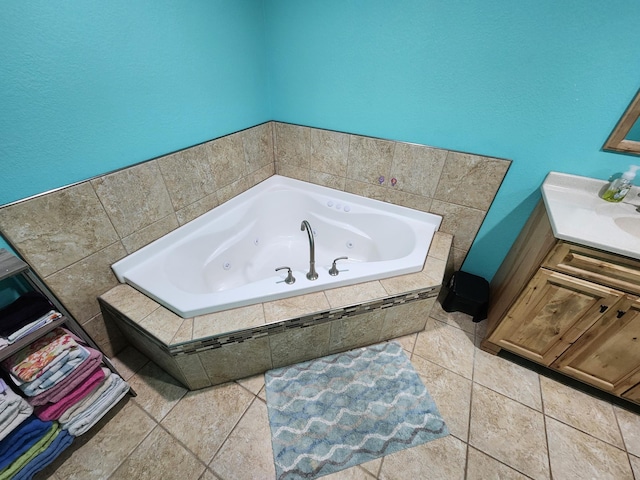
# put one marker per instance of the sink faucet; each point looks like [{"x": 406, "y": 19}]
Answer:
[{"x": 312, "y": 275}]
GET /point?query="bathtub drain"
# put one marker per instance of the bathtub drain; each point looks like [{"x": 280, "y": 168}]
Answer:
[{"x": 226, "y": 265}]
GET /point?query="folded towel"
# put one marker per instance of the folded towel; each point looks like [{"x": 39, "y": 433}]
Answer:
[
  {"x": 78, "y": 408},
  {"x": 34, "y": 359},
  {"x": 56, "y": 374},
  {"x": 28, "y": 307},
  {"x": 71, "y": 381},
  {"x": 52, "y": 411},
  {"x": 17, "y": 411},
  {"x": 21, "y": 439},
  {"x": 99, "y": 408},
  {"x": 55, "y": 448},
  {"x": 37, "y": 448},
  {"x": 32, "y": 326}
]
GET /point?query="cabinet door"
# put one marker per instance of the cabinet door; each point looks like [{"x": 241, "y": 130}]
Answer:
[
  {"x": 551, "y": 313},
  {"x": 608, "y": 354},
  {"x": 632, "y": 394}
]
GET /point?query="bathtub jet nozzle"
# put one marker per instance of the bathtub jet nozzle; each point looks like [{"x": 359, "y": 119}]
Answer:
[{"x": 312, "y": 275}]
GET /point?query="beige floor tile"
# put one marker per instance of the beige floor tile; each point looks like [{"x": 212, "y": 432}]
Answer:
[
  {"x": 447, "y": 346},
  {"x": 99, "y": 452},
  {"x": 157, "y": 391},
  {"x": 160, "y": 456},
  {"x": 407, "y": 342},
  {"x": 203, "y": 418},
  {"x": 253, "y": 384},
  {"x": 442, "y": 458},
  {"x": 482, "y": 467},
  {"x": 128, "y": 362},
  {"x": 372, "y": 466},
  {"x": 507, "y": 378},
  {"x": 247, "y": 453},
  {"x": 582, "y": 411},
  {"x": 450, "y": 391},
  {"x": 629, "y": 423},
  {"x": 635, "y": 465},
  {"x": 508, "y": 431},
  {"x": 455, "y": 319},
  {"x": 208, "y": 475},
  {"x": 353, "y": 473},
  {"x": 576, "y": 455}
]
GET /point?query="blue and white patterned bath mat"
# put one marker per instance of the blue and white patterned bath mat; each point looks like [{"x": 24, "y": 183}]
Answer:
[{"x": 335, "y": 412}]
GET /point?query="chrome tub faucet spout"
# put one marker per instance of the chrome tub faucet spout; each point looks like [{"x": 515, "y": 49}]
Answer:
[{"x": 312, "y": 275}]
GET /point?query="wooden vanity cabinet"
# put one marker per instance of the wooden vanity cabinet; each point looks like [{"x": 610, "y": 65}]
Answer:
[{"x": 571, "y": 308}]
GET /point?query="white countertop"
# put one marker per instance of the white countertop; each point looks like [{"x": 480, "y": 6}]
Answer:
[{"x": 579, "y": 215}]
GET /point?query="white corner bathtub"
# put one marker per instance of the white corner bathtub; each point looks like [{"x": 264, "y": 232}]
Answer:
[{"x": 227, "y": 257}]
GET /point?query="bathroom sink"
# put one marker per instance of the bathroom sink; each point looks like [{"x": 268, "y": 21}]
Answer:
[
  {"x": 629, "y": 224},
  {"x": 578, "y": 214}
]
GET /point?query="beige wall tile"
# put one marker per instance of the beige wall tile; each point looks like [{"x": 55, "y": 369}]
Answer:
[
  {"x": 409, "y": 283},
  {"x": 328, "y": 151},
  {"x": 184, "y": 333},
  {"x": 292, "y": 145},
  {"x": 462, "y": 222},
  {"x": 188, "y": 175},
  {"x": 227, "y": 159},
  {"x": 470, "y": 180},
  {"x": 148, "y": 234},
  {"x": 130, "y": 302},
  {"x": 236, "y": 188},
  {"x": 441, "y": 245},
  {"x": 58, "y": 229},
  {"x": 134, "y": 197},
  {"x": 238, "y": 360},
  {"x": 356, "y": 331},
  {"x": 196, "y": 209},
  {"x": 292, "y": 171},
  {"x": 258, "y": 146},
  {"x": 369, "y": 159},
  {"x": 417, "y": 168},
  {"x": 299, "y": 344},
  {"x": 327, "y": 180},
  {"x": 193, "y": 371},
  {"x": 406, "y": 318},
  {"x": 295, "y": 306},
  {"x": 355, "y": 294},
  {"x": 388, "y": 194},
  {"x": 228, "y": 321},
  {"x": 128, "y": 362},
  {"x": 162, "y": 324},
  {"x": 79, "y": 285}
]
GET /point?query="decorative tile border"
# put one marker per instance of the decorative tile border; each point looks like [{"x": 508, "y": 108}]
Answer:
[{"x": 197, "y": 346}]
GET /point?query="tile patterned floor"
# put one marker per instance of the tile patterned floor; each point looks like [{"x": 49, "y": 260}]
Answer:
[{"x": 506, "y": 422}]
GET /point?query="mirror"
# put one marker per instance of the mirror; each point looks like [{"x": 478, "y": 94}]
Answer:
[{"x": 625, "y": 138}]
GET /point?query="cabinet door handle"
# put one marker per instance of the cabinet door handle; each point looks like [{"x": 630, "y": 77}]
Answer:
[
  {"x": 620, "y": 314},
  {"x": 603, "y": 308}
]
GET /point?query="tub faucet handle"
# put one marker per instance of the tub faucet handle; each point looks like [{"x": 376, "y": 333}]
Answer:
[
  {"x": 290, "y": 279},
  {"x": 334, "y": 270}
]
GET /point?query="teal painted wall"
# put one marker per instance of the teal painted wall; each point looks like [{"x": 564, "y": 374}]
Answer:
[
  {"x": 87, "y": 87},
  {"x": 541, "y": 82}
]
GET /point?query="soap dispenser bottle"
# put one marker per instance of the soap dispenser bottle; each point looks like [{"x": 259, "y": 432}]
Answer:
[{"x": 619, "y": 187}]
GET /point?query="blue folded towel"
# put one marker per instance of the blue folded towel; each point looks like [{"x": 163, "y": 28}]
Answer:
[
  {"x": 55, "y": 448},
  {"x": 22, "y": 439}
]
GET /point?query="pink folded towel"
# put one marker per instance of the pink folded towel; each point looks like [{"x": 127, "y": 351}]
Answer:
[
  {"x": 75, "y": 378},
  {"x": 53, "y": 411}
]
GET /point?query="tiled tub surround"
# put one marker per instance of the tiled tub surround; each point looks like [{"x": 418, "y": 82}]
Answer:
[
  {"x": 218, "y": 347},
  {"x": 71, "y": 236}
]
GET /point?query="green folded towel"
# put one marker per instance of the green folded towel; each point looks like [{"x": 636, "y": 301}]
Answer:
[{"x": 39, "y": 447}]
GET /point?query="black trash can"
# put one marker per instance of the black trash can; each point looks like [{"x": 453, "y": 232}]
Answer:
[{"x": 468, "y": 294}]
